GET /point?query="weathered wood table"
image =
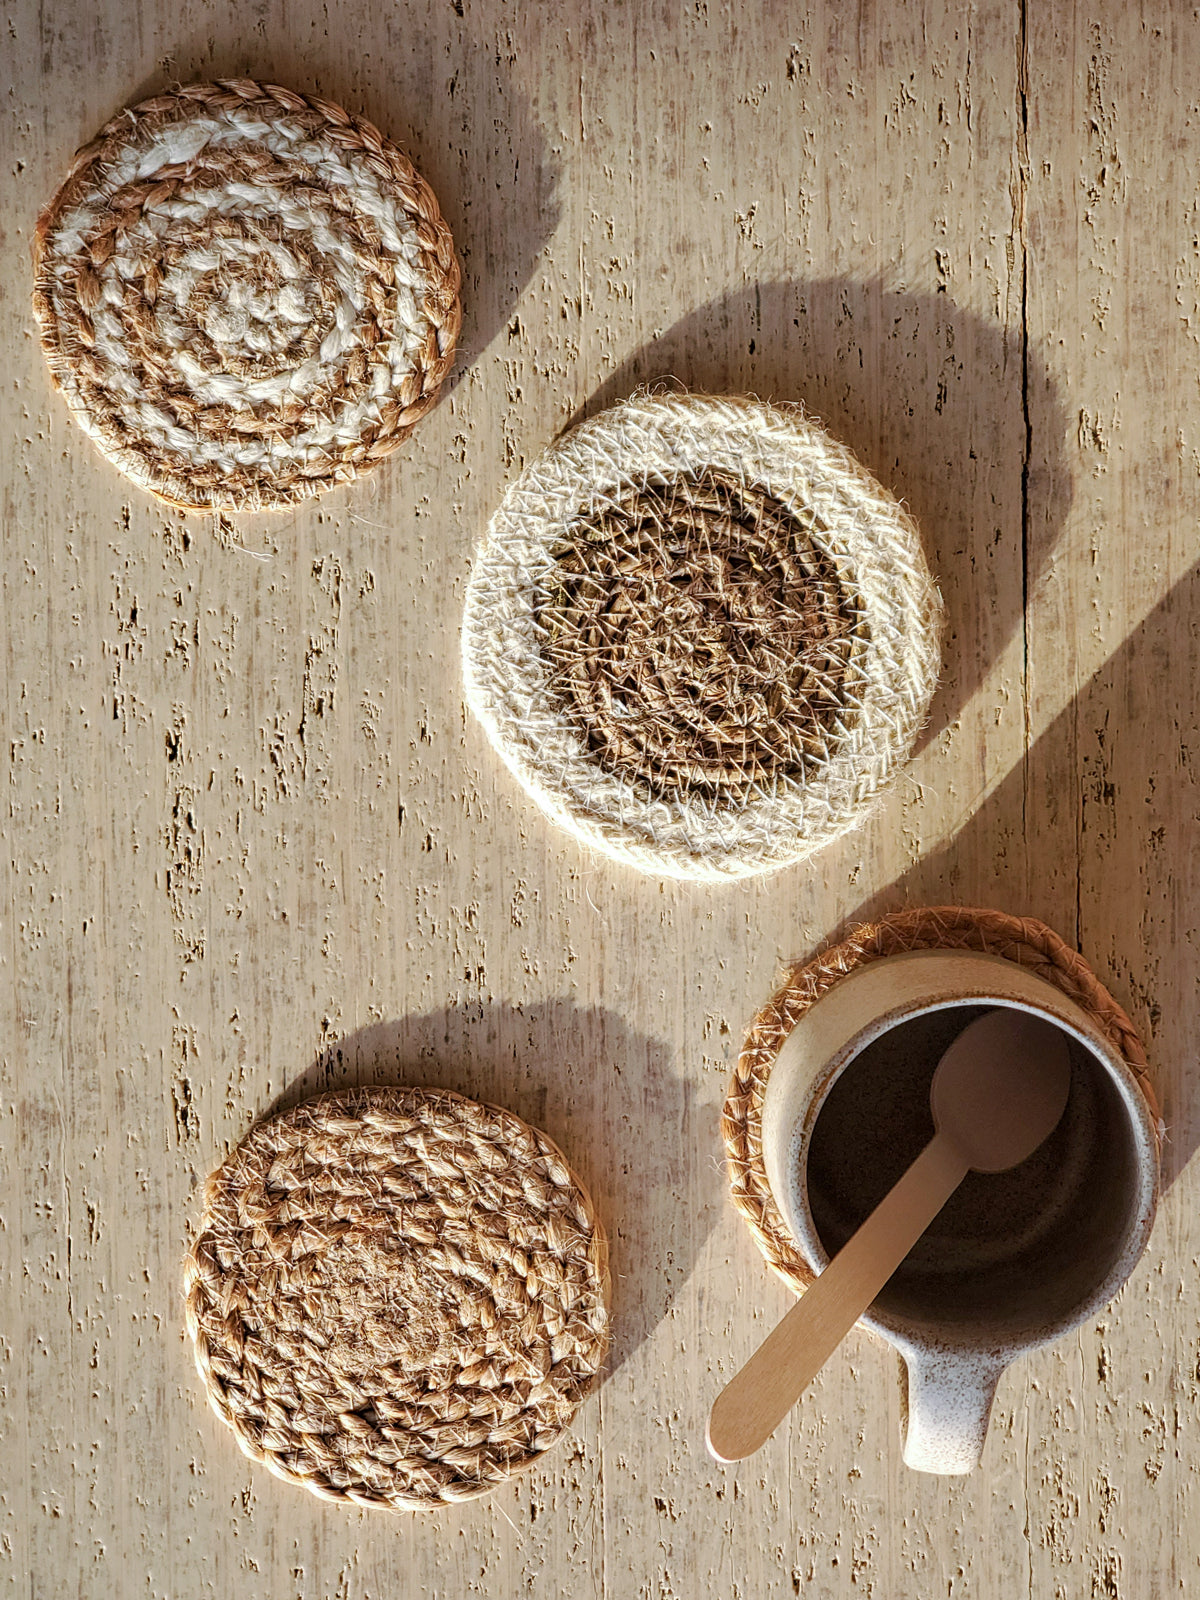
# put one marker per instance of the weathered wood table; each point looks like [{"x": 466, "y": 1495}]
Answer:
[{"x": 255, "y": 847}]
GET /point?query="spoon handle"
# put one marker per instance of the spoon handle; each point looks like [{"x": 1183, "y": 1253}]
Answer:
[{"x": 755, "y": 1402}]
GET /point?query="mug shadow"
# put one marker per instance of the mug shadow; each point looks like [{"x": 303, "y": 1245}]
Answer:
[
  {"x": 1109, "y": 795},
  {"x": 936, "y": 401},
  {"x": 596, "y": 1086}
]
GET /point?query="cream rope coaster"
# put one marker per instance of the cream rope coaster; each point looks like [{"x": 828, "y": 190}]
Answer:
[
  {"x": 398, "y": 1297},
  {"x": 701, "y": 635},
  {"x": 1021, "y": 939},
  {"x": 245, "y": 294}
]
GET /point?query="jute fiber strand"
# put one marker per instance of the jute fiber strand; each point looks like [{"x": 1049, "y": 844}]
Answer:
[
  {"x": 245, "y": 294},
  {"x": 701, "y": 635},
  {"x": 1021, "y": 939},
  {"x": 398, "y": 1297}
]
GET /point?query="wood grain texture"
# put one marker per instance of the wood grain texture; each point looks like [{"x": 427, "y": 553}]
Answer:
[{"x": 255, "y": 848}]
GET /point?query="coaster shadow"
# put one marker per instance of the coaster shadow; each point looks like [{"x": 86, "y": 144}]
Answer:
[
  {"x": 948, "y": 409},
  {"x": 449, "y": 102},
  {"x": 608, "y": 1097}
]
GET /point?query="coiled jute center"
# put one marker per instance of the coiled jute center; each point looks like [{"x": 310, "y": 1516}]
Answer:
[
  {"x": 245, "y": 294},
  {"x": 397, "y": 1296},
  {"x": 698, "y": 634}
]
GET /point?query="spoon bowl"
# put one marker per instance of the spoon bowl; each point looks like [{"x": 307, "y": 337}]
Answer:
[{"x": 1001, "y": 1088}]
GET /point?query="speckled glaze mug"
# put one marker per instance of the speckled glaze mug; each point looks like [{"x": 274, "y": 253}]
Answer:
[{"x": 1015, "y": 1258}]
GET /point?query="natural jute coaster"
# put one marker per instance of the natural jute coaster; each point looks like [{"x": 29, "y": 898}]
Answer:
[
  {"x": 701, "y": 635},
  {"x": 246, "y": 295},
  {"x": 1021, "y": 939},
  {"x": 398, "y": 1297}
]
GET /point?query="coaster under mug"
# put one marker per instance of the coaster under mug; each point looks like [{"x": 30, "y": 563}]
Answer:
[{"x": 1015, "y": 1259}]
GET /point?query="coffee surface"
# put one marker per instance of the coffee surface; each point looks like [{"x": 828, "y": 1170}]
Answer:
[{"x": 1010, "y": 1245}]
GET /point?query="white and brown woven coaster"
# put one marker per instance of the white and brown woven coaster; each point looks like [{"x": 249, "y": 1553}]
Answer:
[
  {"x": 1021, "y": 939},
  {"x": 701, "y": 635},
  {"x": 245, "y": 294},
  {"x": 398, "y": 1297}
]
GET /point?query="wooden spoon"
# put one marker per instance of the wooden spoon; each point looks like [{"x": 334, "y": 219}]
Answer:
[{"x": 998, "y": 1092}]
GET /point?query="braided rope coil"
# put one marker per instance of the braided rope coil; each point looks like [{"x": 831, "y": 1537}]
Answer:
[
  {"x": 1023, "y": 940},
  {"x": 246, "y": 295},
  {"x": 701, "y": 635},
  {"x": 397, "y": 1297}
]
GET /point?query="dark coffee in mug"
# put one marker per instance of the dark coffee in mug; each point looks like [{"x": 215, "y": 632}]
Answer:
[{"x": 1014, "y": 1249}]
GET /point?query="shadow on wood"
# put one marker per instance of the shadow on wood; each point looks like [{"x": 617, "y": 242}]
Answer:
[{"x": 1109, "y": 797}]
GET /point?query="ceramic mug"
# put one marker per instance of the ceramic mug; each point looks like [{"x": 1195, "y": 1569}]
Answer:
[{"x": 1015, "y": 1258}]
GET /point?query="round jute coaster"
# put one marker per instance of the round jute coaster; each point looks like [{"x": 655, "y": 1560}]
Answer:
[
  {"x": 398, "y": 1297},
  {"x": 701, "y": 635},
  {"x": 1021, "y": 939},
  {"x": 245, "y": 294}
]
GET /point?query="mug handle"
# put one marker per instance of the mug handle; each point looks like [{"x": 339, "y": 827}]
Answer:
[{"x": 948, "y": 1403}]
